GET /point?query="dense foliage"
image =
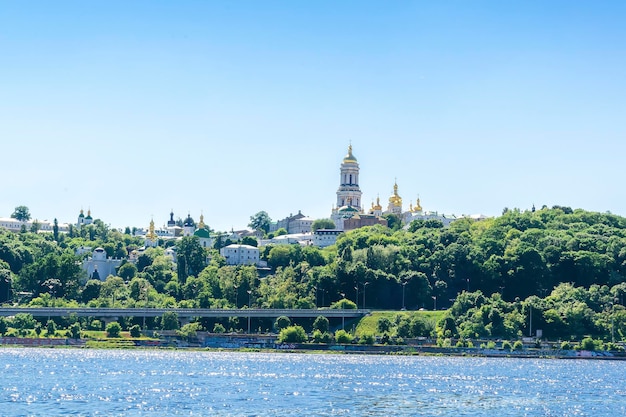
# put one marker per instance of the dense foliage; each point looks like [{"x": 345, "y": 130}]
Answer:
[{"x": 567, "y": 266}]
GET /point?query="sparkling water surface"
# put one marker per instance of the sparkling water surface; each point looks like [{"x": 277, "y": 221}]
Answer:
[{"x": 73, "y": 382}]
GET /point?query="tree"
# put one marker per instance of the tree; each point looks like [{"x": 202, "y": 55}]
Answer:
[
  {"x": 3, "y": 326},
  {"x": 260, "y": 221},
  {"x": 127, "y": 271},
  {"x": 51, "y": 328},
  {"x": 322, "y": 224},
  {"x": 191, "y": 257},
  {"x": 292, "y": 334},
  {"x": 75, "y": 331},
  {"x": 393, "y": 221},
  {"x": 282, "y": 322},
  {"x": 135, "y": 330},
  {"x": 55, "y": 230},
  {"x": 383, "y": 325},
  {"x": 23, "y": 321},
  {"x": 249, "y": 240},
  {"x": 169, "y": 321},
  {"x": 189, "y": 331},
  {"x": 321, "y": 323},
  {"x": 91, "y": 290},
  {"x": 114, "y": 329},
  {"x": 21, "y": 213}
]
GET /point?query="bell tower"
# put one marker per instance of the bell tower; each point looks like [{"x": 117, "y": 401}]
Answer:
[{"x": 349, "y": 192}]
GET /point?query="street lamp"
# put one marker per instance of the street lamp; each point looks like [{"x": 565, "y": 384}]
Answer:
[
  {"x": 236, "y": 295},
  {"x": 403, "y": 286},
  {"x": 365, "y": 284},
  {"x": 249, "y": 306},
  {"x": 434, "y": 297},
  {"x": 356, "y": 299},
  {"x": 343, "y": 321}
]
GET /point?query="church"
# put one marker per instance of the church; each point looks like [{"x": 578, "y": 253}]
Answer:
[{"x": 348, "y": 213}]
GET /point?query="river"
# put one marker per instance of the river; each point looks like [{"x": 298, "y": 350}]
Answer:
[{"x": 91, "y": 382}]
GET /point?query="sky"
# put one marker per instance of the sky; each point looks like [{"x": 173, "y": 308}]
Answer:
[{"x": 135, "y": 109}]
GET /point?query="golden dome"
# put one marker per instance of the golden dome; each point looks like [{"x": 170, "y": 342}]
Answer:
[
  {"x": 417, "y": 207},
  {"x": 377, "y": 206},
  {"x": 349, "y": 157},
  {"x": 395, "y": 199},
  {"x": 201, "y": 223},
  {"x": 151, "y": 235}
]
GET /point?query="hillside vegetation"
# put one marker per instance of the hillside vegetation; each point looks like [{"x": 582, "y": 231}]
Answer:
[{"x": 565, "y": 268}]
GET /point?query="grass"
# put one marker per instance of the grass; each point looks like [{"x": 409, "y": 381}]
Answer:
[{"x": 369, "y": 324}]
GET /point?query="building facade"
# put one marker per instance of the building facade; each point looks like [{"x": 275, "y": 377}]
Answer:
[{"x": 240, "y": 254}]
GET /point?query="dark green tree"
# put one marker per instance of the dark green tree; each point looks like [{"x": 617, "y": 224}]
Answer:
[
  {"x": 282, "y": 322},
  {"x": 191, "y": 257},
  {"x": 322, "y": 224},
  {"x": 169, "y": 321},
  {"x": 260, "y": 221},
  {"x": 21, "y": 213},
  {"x": 321, "y": 323}
]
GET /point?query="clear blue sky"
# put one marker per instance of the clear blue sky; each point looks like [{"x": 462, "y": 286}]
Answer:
[{"x": 133, "y": 108}]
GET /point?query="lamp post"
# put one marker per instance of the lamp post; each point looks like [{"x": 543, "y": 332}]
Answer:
[
  {"x": 249, "y": 306},
  {"x": 343, "y": 322},
  {"x": 365, "y": 284},
  {"x": 315, "y": 288},
  {"x": 403, "y": 286},
  {"x": 8, "y": 282},
  {"x": 434, "y": 297},
  {"x": 356, "y": 298},
  {"x": 530, "y": 313},
  {"x": 236, "y": 287}
]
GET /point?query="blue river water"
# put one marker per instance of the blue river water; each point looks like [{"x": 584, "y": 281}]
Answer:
[{"x": 91, "y": 382}]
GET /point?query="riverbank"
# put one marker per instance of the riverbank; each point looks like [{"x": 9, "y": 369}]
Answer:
[{"x": 267, "y": 343}]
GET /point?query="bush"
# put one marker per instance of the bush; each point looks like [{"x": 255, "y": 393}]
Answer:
[
  {"x": 367, "y": 339},
  {"x": 506, "y": 345},
  {"x": 95, "y": 325},
  {"x": 588, "y": 344},
  {"x": 404, "y": 328},
  {"x": 321, "y": 323},
  {"x": 518, "y": 345},
  {"x": 135, "y": 330},
  {"x": 51, "y": 328},
  {"x": 343, "y": 304},
  {"x": 566, "y": 345},
  {"x": 23, "y": 321},
  {"x": 282, "y": 322},
  {"x": 3, "y": 326},
  {"x": 341, "y": 336},
  {"x": 322, "y": 337},
  {"x": 74, "y": 331},
  {"x": 383, "y": 325},
  {"x": 218, "y": 328},
  {"x": 189, "y": 331},
  {"x": 114, "y": 329},
  {"x": 292, "y": 334}
]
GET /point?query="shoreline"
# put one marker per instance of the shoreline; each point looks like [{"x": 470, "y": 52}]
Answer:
[{"x": 307, "y": 348}]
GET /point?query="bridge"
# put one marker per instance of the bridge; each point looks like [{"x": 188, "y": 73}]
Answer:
[{"x": 183, "y": 313}]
